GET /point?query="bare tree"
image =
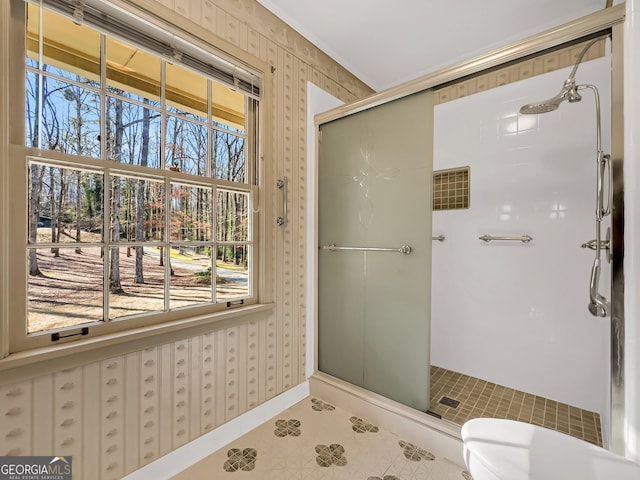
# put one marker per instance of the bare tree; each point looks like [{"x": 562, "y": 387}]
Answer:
[
  {"x": 144, "y": 160},
  {"x": 75, "y": 95},
  {"x": 35, "y": 190},
  {"x": 230, "y": 165},
  {"x": 115, "y": 285},
  {"x": 55, "y": 220},
  {"x": 196, "y": 147},
  {"x": 35, "y": 171},
  {"x": 44, "y": 127}
]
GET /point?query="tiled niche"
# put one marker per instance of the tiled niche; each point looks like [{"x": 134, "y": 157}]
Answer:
[{"x": 451, "y": 189}]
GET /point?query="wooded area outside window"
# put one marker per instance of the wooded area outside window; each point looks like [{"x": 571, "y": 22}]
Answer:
[{"x": 140, "y": 180}]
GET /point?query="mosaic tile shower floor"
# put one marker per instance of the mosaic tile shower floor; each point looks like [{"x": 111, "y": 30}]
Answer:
[
  {"x": 479, "y": 398},
  {"x": 314, "y": 440}
]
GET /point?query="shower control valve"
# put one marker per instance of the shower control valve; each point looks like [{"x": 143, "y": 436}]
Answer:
[
  {"x": 604, "y": 245},
  {"x": 591, "y": 244}
]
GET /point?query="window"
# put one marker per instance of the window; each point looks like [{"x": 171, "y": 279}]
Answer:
[{"x": 139, "y": 178}]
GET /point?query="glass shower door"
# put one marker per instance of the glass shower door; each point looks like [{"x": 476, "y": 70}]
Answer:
[{"x": 374, "y": 201}]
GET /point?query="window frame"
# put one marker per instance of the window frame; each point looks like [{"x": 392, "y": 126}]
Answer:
[{"x": 128, "y": 328}]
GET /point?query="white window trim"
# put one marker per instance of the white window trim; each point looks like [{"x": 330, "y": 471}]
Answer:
[
  {"x": 27, "y": 364},
  {"x": 5, "y": 28}
]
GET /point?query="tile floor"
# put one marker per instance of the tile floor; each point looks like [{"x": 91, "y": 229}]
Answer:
[
  {"x": 479, "y": 398},
  {"x": 313, "y": 440}
]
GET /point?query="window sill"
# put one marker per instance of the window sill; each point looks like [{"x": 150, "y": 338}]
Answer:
[{"x": 29, "y": 364}]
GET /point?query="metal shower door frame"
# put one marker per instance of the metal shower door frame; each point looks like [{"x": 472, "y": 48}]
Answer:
[
  {"x": 610, "y": 19},
  {"x": 617, "y": 440}
]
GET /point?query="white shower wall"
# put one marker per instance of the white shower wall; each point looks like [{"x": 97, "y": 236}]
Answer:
[{"x": 505, "y": 311}]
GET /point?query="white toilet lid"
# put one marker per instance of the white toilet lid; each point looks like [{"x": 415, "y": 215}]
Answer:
[{"x": 512, "y": 450}]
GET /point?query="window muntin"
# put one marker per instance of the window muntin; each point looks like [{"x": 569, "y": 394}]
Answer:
[{"x": 175, "y": 134}]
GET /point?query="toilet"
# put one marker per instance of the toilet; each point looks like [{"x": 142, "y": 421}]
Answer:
[{"x": 498, "y": 449}]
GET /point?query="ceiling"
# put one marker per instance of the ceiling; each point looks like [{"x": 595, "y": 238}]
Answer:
[{"x": 385, "y": 47}]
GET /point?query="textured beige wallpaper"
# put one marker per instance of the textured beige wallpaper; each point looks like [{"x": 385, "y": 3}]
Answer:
[{"x": 538, "y": 65}]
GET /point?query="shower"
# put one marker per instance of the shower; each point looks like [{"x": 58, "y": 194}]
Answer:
[{"x": 599, "y": 306}]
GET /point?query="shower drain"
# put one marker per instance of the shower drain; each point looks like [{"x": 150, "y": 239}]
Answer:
[{"x": 449, "y": 402}]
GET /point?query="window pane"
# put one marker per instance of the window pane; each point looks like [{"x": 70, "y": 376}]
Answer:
[
  {"x": 65, "y": 205},
  {"x": 32, "y": 110},
  {"x": 232, "y": 215},
  {"x": 228, "y": 108},
  {"x": 232, "y": 272},
  {"x": 191, "y": 213},
  {"x": 137, "y": 209},
  {"x": 133, "y": 133},
  {"x": 64, "y": 287},
  {"x": 132, "y": 72},
  {"x": 186, "y": 93},
  {"x": 229, "y": 157},
  {"x": 85, "y": 267},
  {"x": 186, "y": 147},
  {"x": 33, "y": 32},
  {"x": 70, "y": 117},
  {"x": 191, "y": 275},
  {"x": 136, "y": 281},
  {"x": 69, "y": 50}
]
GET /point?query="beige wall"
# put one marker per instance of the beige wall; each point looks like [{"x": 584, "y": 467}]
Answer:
[{"x": 117, "y": 415}]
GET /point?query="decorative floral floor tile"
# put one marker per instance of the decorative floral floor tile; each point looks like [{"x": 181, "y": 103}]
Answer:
[{"x": 314, "y": 440}]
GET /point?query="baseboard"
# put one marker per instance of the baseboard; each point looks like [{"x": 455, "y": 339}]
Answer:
[
  {"x": 439, "y": 437},
  {"x": 178, "y": 460}
]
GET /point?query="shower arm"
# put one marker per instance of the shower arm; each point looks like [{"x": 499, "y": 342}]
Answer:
[
  {"x": 572, "y": 75},
  {"x": 569, "y": 89}
]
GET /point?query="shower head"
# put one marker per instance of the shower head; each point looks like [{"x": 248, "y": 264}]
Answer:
[
  {"x": 541, "y": 107},
  {"x": 569, "y": 90}
]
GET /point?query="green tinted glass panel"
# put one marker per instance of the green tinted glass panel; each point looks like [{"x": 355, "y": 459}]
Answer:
[{"x": 375, "y": 192}]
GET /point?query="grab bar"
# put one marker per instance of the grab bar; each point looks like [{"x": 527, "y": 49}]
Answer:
[
  {"x": 283, "y": 185},
  {"x": 439, "y": 238},
  {"x": 406, "y": 249},
  {"x": 490, "y": 238}
]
